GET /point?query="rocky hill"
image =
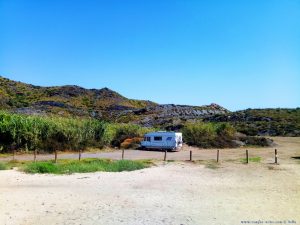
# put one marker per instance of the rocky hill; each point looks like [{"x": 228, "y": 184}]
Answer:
[
  {"x": 97, "y": 103},
  {"x": 170, "y": 116},
  {"x": 106, "y": 104}
]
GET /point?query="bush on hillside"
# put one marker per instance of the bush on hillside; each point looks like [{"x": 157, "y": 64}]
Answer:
[{"x": 208, "y": 135}]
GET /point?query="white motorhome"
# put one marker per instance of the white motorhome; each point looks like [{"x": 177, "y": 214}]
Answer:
[{"x": 162, "y": 140}]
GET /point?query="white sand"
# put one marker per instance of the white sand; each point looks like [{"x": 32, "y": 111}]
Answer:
[
  {"x": 174, "y": 193},
  {"x": 168, "y": 194}
]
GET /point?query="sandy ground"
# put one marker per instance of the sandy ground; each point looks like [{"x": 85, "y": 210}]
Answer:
[{"x": 169, "y": 193}]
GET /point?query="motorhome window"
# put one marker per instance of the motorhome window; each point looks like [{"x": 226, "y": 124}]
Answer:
[
  {"x": 157, "y": 138},
  {"x": 169, "y": 139},
  {"x": 148, "y": 138}
]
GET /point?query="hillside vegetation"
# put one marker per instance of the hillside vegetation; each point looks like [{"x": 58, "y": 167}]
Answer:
[
  {"x": 103, "y": 104},
  {"x": 63, "y": 100},
  {"x": 269, "y": 122},
  {"x": 219, "y": 135},
  {"x": 72, "y": 101}
]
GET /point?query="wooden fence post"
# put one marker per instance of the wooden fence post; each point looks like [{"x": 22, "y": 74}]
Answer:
[
  {"x": 79, "y": 154},
  {"x": 191, "y": 155},
  {"x": 55, "y": 156},
  {"x": 276, "y": 161},
  {"x": 247, "y": 157},
  {"x": 165, "y": 156},
  {"x": 218, "y": 153},
  {"x": 34, "y": 155},
  {"x": 123, "y": 153}
]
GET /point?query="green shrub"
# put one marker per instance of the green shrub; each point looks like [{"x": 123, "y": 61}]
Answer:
[
  {"x": 42, "y": 167},
  {"x": 127, "y": 165},
  {"x": 2, "y": 166},
  {"x": 84, "y": 166},
  {"x": 208, "y": 135}
]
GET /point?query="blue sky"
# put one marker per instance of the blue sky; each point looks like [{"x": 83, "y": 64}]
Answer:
[{"x": 239, "y": 54}]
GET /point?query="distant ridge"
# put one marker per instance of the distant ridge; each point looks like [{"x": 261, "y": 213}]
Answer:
[
  {"x": 102, "y": 103},
  {"x": 106, "y": 104}
]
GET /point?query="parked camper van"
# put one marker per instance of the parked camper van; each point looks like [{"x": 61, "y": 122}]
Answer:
[{"x": 162, "y": 140}]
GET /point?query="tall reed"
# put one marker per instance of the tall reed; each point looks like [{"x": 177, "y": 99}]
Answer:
[{"x": 51, "y": 133}]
